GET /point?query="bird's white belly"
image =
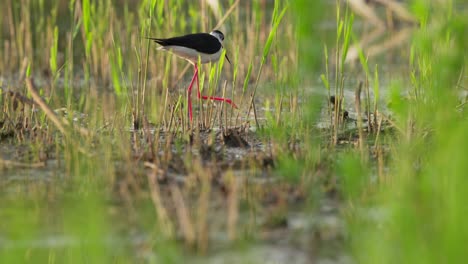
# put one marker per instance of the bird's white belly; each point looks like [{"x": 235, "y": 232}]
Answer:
[{"x": 192, "y": 55}]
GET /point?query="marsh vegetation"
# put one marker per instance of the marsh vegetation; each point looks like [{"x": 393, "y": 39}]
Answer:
[{"x": 348, "y": 144}]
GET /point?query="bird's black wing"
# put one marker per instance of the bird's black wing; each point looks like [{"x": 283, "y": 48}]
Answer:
[{"x": 201, "y": 42}]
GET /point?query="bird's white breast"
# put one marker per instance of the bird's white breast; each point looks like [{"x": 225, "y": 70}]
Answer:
[{"x": 192, "y": 55}]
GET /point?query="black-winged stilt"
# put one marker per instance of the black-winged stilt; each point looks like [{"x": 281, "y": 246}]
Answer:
[{"x": 206, "y": 47}]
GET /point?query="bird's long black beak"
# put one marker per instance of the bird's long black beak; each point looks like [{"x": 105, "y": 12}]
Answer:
[
  {"x": 227, "y": 58},
  {"x": 225, "y": 54}
]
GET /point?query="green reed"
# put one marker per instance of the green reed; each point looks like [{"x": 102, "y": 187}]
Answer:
[{"x": 418, "y": 202}]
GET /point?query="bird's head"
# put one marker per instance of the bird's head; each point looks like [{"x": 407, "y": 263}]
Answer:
[{"x": 220, "y": 36}]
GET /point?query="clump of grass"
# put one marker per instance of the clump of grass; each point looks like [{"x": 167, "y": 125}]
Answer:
[
  {"x": 419, "y": 214},
  {"x": 275, "y": 22},
  {"x": 344, "y": 27}
]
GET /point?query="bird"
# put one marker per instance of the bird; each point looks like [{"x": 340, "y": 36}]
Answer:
[{"x": 203, "y": 47}]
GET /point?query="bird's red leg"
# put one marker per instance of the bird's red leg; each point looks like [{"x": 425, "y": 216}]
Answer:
[
  {"x": 204, "y": 97},
  {"x": 214, "y": 98},
  {"x": 198, "y": 85},
  {"x": 189, "y": 92}
]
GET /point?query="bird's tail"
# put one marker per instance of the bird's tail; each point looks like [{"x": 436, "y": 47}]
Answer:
[{"x": 157, "y": 40}]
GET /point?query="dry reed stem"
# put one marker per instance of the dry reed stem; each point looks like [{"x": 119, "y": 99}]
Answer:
[
  {"x": 203, "y": 206},
  {"x": 14, "y": 164},
  {"x": 380, "y": 165},
  {"x": 359, "y": 120},
  {"x": 161, "y": 212},
  {"x": 40, "y": 102},
  {"x": 379, "y": 127},
  {"x": 394, "y": 41},
  {"x": 183, "y": 215},
  {"x": 361, "y": 8},
  {"x": 17, "y": 96},
  {"x": 393, "y": 124},
  {"x": 232, "y": 206},
  {"x": 60, "y": 124},
  {"x": 228, "y": 12},
  {"x": 399, "y": 10}
]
